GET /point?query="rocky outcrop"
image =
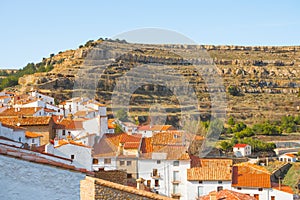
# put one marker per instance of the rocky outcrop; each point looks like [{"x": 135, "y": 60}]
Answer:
[{"x": 267, "y": 77}]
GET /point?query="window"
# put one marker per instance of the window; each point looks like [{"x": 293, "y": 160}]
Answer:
[
  {"x": 32, "y": 140},
  {"x": 64, "y": 132},
  {"x": 158, "y": 162},
  {"x": 72, "y": 157},
  {"x": 220, "y": 182},
  {"x": 200, "y": 182},
  {"x": 175, "y": 189},
  {"x": 69, "y": 133},
  {"x": 219, "y": 188},
  {"x": 156, "y": 184},
  {"x": 148, "y": 183},
  {"x": 122, "y": 162},
  {"x": 129, "y": 175},
  {"x": 58, "y": 110},
  {"x": 176, "y": 163},
  {"x": 200, "y": 191},
  {"x": 260, "y": 189},
  {"x": 107, "y": 161},
  {"x": 129, "y": 163},
  {"x": 154, "y": 172},
  {"x": 175, "y": 175},
  {"x": 239, "y": 188},
  {"x": 95, "y": 161}
]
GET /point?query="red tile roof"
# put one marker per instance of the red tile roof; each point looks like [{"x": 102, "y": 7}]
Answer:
[
  {"x": 20, "y": 111},
  {"x": 29, "y": 134},
  {"x": 240, "y": 145},
  {"x": 109, "y": 143},
  {"x": 4, "y": 97},
  {"x": 283, "y": 188},
  {"x": 64, "y": 142},
  {"x": 156, "y": 128},
  {"x": 250, "y": 175},
  {"x": 211, "y": 169},
  {"x": 290, "y": 155},
  {"x": 69, "y": 124},
  {"x": 26, "y": 120},
  {"x": 227, "y": 195}
]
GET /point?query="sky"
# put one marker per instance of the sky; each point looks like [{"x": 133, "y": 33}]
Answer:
[{"x": 33, "y": 29}]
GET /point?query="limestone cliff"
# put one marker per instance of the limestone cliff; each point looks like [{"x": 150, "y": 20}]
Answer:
[{"x": 267, "y": 77}]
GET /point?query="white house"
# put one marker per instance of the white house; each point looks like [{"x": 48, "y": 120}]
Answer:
[
  {"x": 256, "y": 181},
  {"x": 149, "y": 130},
  {"x": 242, "y": 150},
  {"x": 163, "y": 163},
  {"x": 44, "y": 98},
  {"x": 288, "y": 157},
  {"x": 19, "y": 134},
  {"x": 208, "y": 175},
  {"x": 33, "y": 139},
  {"x": 128, "y": 127},
  {"x": 4, "y": 100},
  {"x": 117, "y": 151},
  {"x": 78, "y": 152},
  {"x": 88, "y": 130}
]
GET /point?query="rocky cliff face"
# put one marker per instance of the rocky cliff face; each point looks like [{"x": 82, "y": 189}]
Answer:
[{"x": 268, "y": 78}]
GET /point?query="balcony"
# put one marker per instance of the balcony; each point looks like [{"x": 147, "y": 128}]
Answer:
[
  {"x": 155, "y": 175},
  {"x": 176, "y": 181},
  {"x": 176, "y": 195}
]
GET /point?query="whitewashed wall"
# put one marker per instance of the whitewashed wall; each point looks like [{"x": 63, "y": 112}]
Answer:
[{"x": 26, "y": 180}]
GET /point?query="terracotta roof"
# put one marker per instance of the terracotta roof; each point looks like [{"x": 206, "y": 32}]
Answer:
[
  {"x": 29, "y": 134},
  {"x": 169, "y": 138},
  {"x": 64, "y": 142},
  {"x": 20, "y": 111},
  {"x": 173, "y": 143},
  {"x": 49, "y": 110},
  {"x": 26, "y": 120},
  {"x": 62, "y": 103},
  {"x": 111, "y": 123},
  {"x": 289, "y": 155},
  {"x": 250, "y": 175},
  {"x": 156, "y": 128},
  {"x": 57, "y": 118},
  {"x": 240, "y": 145},
  {"x": 146, "y": 146},
  {"x": 211, "y": 169},
  {"x": 69, "y": 124},
  {"x": 13, "y": 127},
  {"x": 4, "y": 97},
  {"x": 109, "y": 143},
  {"x": 227, "y": 195},
  {"x": 283, "y": 188}
]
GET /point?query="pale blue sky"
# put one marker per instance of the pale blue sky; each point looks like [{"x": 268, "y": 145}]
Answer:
[{"x": 31, "y": 30}]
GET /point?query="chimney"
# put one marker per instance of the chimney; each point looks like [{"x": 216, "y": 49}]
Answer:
[
  {"x": 121, "y": 148},
  {"x": 213, "y": 195},
  {"x": 140, "y": 184},
  {"x": 55, "y": 142}
]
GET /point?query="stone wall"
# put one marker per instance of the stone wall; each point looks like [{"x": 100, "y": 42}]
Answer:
[
  {"x": 98, "y": 189},
  {"x": 115, "y": 176}
]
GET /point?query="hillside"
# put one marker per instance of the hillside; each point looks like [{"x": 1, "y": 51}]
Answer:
[{"x": 266, "y": 78}]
